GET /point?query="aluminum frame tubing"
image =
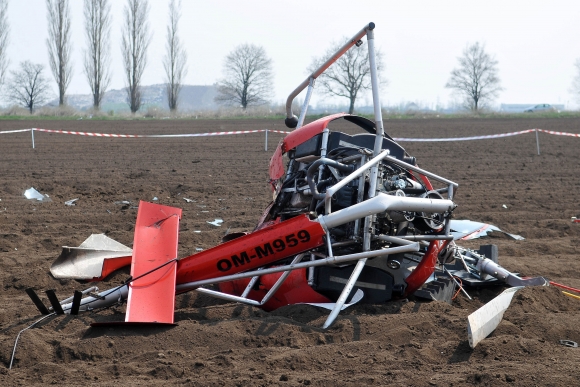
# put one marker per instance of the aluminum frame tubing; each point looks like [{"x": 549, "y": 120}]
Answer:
[
  {"x": 91, "y": 289},
  {"x": 227, "y": 297},
  {"x": 110, "y": 297},
  {"x": 244, "y": 295},
  {"x": 377, "y": 110},
  {"x": 360, "y": 195},
  {"x": 321, "y": 262},
  {"x": 392, "y": 239},
  {"x": 250, "y": 285},
  {"x": 120, "y": 293},
  {"x": 375, "y": 89},
  {"x": 323, "y": 149},
  {"x": 324, "y": 66},
  {"x": 332, "y": 190},
  {"x": 423, "y": 172},
  {"x": 345, "y": 293},
  {"x": 383, "y": 202},
  {"x": 306, "y": 102}
]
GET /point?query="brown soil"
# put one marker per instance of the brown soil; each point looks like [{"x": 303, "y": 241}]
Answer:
[{"x": 217, "y": 343}]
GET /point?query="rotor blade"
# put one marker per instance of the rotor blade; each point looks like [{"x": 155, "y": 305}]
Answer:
[{"x": 484, "y": 320}]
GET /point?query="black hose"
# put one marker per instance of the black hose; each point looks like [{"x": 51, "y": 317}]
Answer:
[
  {"x": 323, "y": 184},
  {"x": 314, "y": 168}
]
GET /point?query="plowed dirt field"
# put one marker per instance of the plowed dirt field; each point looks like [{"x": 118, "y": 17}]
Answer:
[{"x": 405, "y": 343}]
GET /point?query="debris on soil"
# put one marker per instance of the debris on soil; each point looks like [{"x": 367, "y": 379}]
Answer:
[
  {"x": 569, "y": 343},
  {"x": 217, "y": 222},
  {"x": 33, "y": 194}
]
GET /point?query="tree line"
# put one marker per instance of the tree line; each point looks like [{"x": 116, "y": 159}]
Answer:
[
  {"x": 29, "y": 87},
  {"x": 247, "y": 69}
]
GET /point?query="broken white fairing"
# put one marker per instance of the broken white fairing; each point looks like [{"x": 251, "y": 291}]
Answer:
[{"x": 86, "y": 261}]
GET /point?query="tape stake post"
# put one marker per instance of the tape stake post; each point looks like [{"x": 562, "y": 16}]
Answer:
[
  {"x": 32, "y": 132},
  {"x": 266, "y": 146},
  {"x": 537, "y": 141}
]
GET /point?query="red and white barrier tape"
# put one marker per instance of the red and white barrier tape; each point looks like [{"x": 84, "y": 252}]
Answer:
[
  {"x": 149, "y": 135},
  {"x": 15, "y": 131},
  {"x": 559, "y": 133},
  {"x": 399, "y": 139}
]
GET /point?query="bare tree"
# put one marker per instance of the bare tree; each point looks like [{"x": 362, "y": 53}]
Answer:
[
  {"x": 248, "y": 77},
  {"x": 28, "y": 86},
  {"x": 59, "y": 44},
  {"x": 476, "y": 79},
  {"x": 97, "y": 56},
  {"x": 4, "y": 29},
  {"x": 349, "y": 75},
  {"x": 175, "y": 57},
  {"x": 134, "y": 45}
]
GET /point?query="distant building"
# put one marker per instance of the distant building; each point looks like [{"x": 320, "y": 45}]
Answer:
[{"x": 520, "y": 107}]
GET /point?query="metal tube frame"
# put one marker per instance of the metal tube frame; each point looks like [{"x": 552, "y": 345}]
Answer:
[
  {"x": 311, "y": 271},
  {"x": 332, "y": 190},
  {"x": 324, "y": 66},
  {"x": 243, "y": 298},
  {"x": 423, "y": 172},
  {"x": 89, "y": 290},
  {"x": 323, "y": 148},
  {"x": 306, "y": 103},
  {"x": 250, "y": 285},
  {"x": 397, "y": 239},
  {"x": 378, "y": 146},
  {"x": 360, "y": 195},
  {"x": 334, "y": 260},
  {"x": 445, "y": 237}
]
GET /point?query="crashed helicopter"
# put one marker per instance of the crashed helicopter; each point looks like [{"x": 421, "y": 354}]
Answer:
[{"x": 351, "y": 214}]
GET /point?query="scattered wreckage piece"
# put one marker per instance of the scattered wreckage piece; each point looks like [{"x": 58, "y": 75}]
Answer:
[
  {"x": 33, "y": 194},
  {"x": 484, "y": 320},
  {"x": 468, "y": 229},
  {"x": 96, "y": 258},
  {"x": 217, "y": 222}
]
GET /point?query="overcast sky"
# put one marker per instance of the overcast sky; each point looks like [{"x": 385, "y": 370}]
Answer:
[{"x": 535, "y": 42}]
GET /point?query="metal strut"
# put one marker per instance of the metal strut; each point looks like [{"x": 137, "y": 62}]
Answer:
[{"x": 367, "y": 234}]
